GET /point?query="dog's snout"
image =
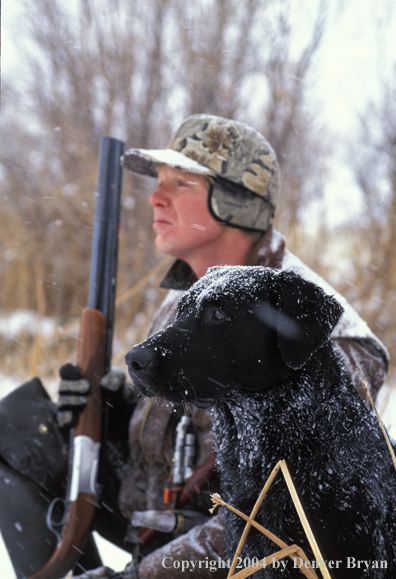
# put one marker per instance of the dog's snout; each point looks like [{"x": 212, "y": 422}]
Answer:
[{"x": 138, "y": 359}]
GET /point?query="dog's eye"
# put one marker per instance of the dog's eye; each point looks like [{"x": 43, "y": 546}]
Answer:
[{"x": 218, "y": 315}]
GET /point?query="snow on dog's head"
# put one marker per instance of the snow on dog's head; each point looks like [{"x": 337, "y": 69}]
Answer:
[
  {"x": 237, "y": 328},
  {"x": 301, "y": 313}
]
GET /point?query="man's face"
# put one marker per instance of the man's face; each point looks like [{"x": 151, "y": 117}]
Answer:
[{"x": 182, "y": 219}]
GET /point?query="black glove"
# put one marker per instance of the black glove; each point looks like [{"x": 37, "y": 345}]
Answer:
[{"x": 74, "y": 389}]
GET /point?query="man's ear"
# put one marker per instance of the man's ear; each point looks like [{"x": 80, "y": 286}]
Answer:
[{"x": 306, "y": 318}]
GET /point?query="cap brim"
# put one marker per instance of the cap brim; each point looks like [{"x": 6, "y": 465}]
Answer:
[{"x": 147, "y": 161}]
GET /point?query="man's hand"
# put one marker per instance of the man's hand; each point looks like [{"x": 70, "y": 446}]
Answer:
[
  {"x": 74, "y": 389},
  {"x": 113, "y": 380}
]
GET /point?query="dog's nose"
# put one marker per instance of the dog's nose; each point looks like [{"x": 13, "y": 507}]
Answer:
[{"x": 138, "y": 359}]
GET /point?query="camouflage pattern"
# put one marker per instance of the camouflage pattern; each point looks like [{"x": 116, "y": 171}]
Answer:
[
  {"x": 232, "y": 153},
  {"x": 232, "y": 150}
]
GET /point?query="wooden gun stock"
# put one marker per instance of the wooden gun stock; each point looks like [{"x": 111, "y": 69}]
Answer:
[
  {"x": 82, "y": 502},
  {"x": 196, "y": 483}
]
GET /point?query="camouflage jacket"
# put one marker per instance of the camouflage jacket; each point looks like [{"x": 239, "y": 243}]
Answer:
[{"x": 152, "y": 427}]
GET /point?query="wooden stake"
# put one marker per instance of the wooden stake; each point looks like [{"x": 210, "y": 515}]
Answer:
[{"x": 285, "y": 551}]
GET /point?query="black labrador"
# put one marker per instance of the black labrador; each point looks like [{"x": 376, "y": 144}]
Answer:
[{"x": 252, "y": 344}]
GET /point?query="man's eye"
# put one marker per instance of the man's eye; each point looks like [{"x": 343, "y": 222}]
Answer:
[{"x": 218, "y": 315}]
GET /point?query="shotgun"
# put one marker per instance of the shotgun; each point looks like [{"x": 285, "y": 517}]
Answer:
[{"x": 94, "y": 360}]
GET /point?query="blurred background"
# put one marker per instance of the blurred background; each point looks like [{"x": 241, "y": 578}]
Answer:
[{"x": 317, "y": 78}]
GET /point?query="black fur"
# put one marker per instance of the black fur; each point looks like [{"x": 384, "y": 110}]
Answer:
[{"x": 252, "y": 343}]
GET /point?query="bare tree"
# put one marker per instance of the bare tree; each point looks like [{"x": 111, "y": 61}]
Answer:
[
  {"x": 372, "y": 279},
  {"x": 290, "y": 124}
]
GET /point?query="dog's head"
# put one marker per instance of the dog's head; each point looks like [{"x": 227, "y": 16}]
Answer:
[{"x": 236, "y": 328}]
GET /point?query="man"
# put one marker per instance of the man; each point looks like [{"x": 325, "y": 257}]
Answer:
[{"x": 218, "y": 186}]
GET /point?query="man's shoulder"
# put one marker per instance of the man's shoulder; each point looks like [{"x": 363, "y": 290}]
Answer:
[{"x": 351, "y": 325}]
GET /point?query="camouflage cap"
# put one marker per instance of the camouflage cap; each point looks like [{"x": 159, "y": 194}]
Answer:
[{"x": 229, "y": 151}]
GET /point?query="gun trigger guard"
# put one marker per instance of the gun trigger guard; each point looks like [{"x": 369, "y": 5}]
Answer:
[{"x": 52, "y": 524}]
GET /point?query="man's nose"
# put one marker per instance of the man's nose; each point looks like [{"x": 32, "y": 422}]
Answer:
[{"x": 160, "y": 197}]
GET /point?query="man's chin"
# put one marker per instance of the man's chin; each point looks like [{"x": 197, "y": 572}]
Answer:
[{"x": 164, "y": 245}]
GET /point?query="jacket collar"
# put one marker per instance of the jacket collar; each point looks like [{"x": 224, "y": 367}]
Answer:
[{"x": 268, "y": 251}]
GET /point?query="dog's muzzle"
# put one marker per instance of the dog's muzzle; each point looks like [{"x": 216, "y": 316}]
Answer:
[
  {"x": 138, "y": 359},
  {"x": 145, "y": 366}
]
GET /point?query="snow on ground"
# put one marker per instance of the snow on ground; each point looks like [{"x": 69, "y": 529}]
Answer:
[
  {"x": 22, "y": 321},
  {"x": 6, "y": 569},
  {"x": 111, "y": 556}
]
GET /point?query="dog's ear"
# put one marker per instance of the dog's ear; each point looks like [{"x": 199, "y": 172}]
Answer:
[{"x": 306, "y": 318}]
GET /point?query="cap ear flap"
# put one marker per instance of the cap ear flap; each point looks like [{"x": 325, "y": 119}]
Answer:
[
  {"x": 236, "y": 206},
  {"x": 307, "y": 316}
]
